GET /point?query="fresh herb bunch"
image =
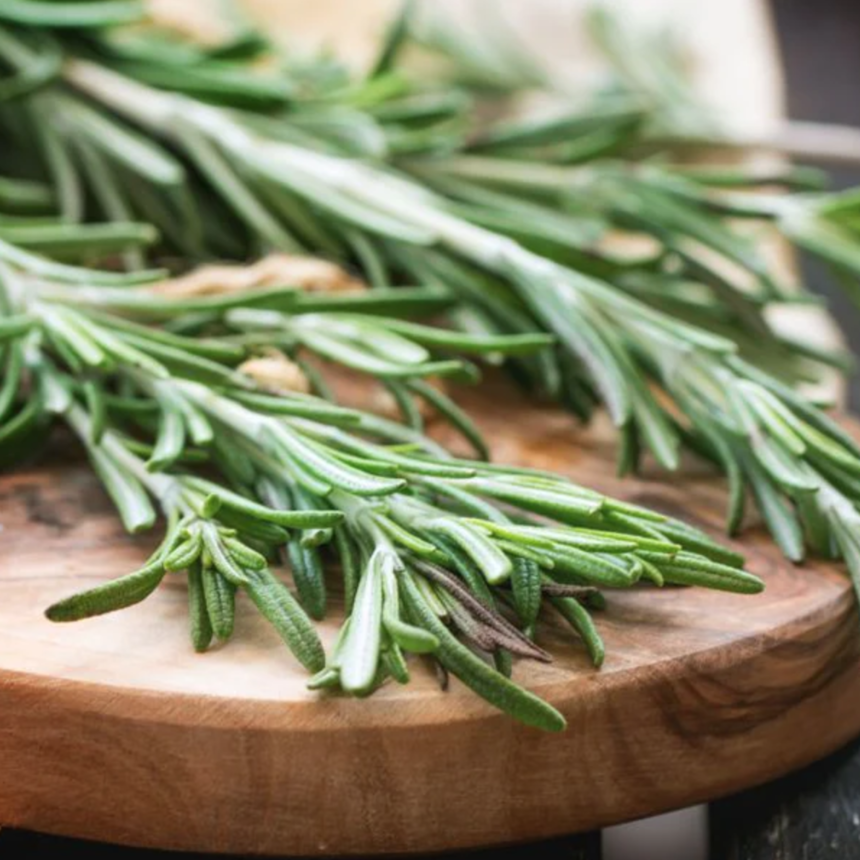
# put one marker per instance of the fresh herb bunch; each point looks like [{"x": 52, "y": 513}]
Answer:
[
  {"x": 509, "y": 216},
  {"x": 437, "y": 556},
  {"x": 614, "y": 348}
]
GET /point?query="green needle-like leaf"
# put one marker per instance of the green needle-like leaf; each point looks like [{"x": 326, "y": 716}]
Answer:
[{"x": 116, "y": 594}]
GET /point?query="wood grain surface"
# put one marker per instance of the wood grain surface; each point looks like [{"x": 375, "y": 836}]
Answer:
[{"x": 114, "y": 729}]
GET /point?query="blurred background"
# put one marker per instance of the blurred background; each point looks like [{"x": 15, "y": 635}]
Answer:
[{"x": 820, "y": 47}]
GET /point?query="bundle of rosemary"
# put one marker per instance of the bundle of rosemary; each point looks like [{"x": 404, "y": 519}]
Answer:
[
  {"x": 504, "y": 223},
  {"x": 427, "y": 545}
]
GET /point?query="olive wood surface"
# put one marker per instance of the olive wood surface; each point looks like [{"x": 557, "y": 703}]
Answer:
[{"x": 114, "y": 729}]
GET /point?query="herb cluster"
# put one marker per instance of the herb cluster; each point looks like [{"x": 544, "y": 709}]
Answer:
[
  {"x": 134, "y": 145},
  {"x": 426, "y": 545}
]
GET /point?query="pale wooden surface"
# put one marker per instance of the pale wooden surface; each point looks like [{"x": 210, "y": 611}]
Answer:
[{"x": 114, "y": 729}]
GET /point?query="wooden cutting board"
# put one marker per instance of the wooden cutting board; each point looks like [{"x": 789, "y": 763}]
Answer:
[{"x": 113, "y": 729}]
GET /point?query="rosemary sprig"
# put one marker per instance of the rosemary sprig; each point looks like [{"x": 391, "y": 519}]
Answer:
[
  {"x": 619, "y": 343},
  {"x": 419, "y": 561},
  {"x": 613, "y": 346},
  {"x": 438, "y": 556},
  {"x": 199, "y": 541}
]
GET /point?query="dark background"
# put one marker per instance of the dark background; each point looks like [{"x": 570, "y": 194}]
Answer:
[{"x": 820, "y": 43}]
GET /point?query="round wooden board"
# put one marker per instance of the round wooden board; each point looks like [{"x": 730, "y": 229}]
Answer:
[{"x": 114, "y": 729}]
